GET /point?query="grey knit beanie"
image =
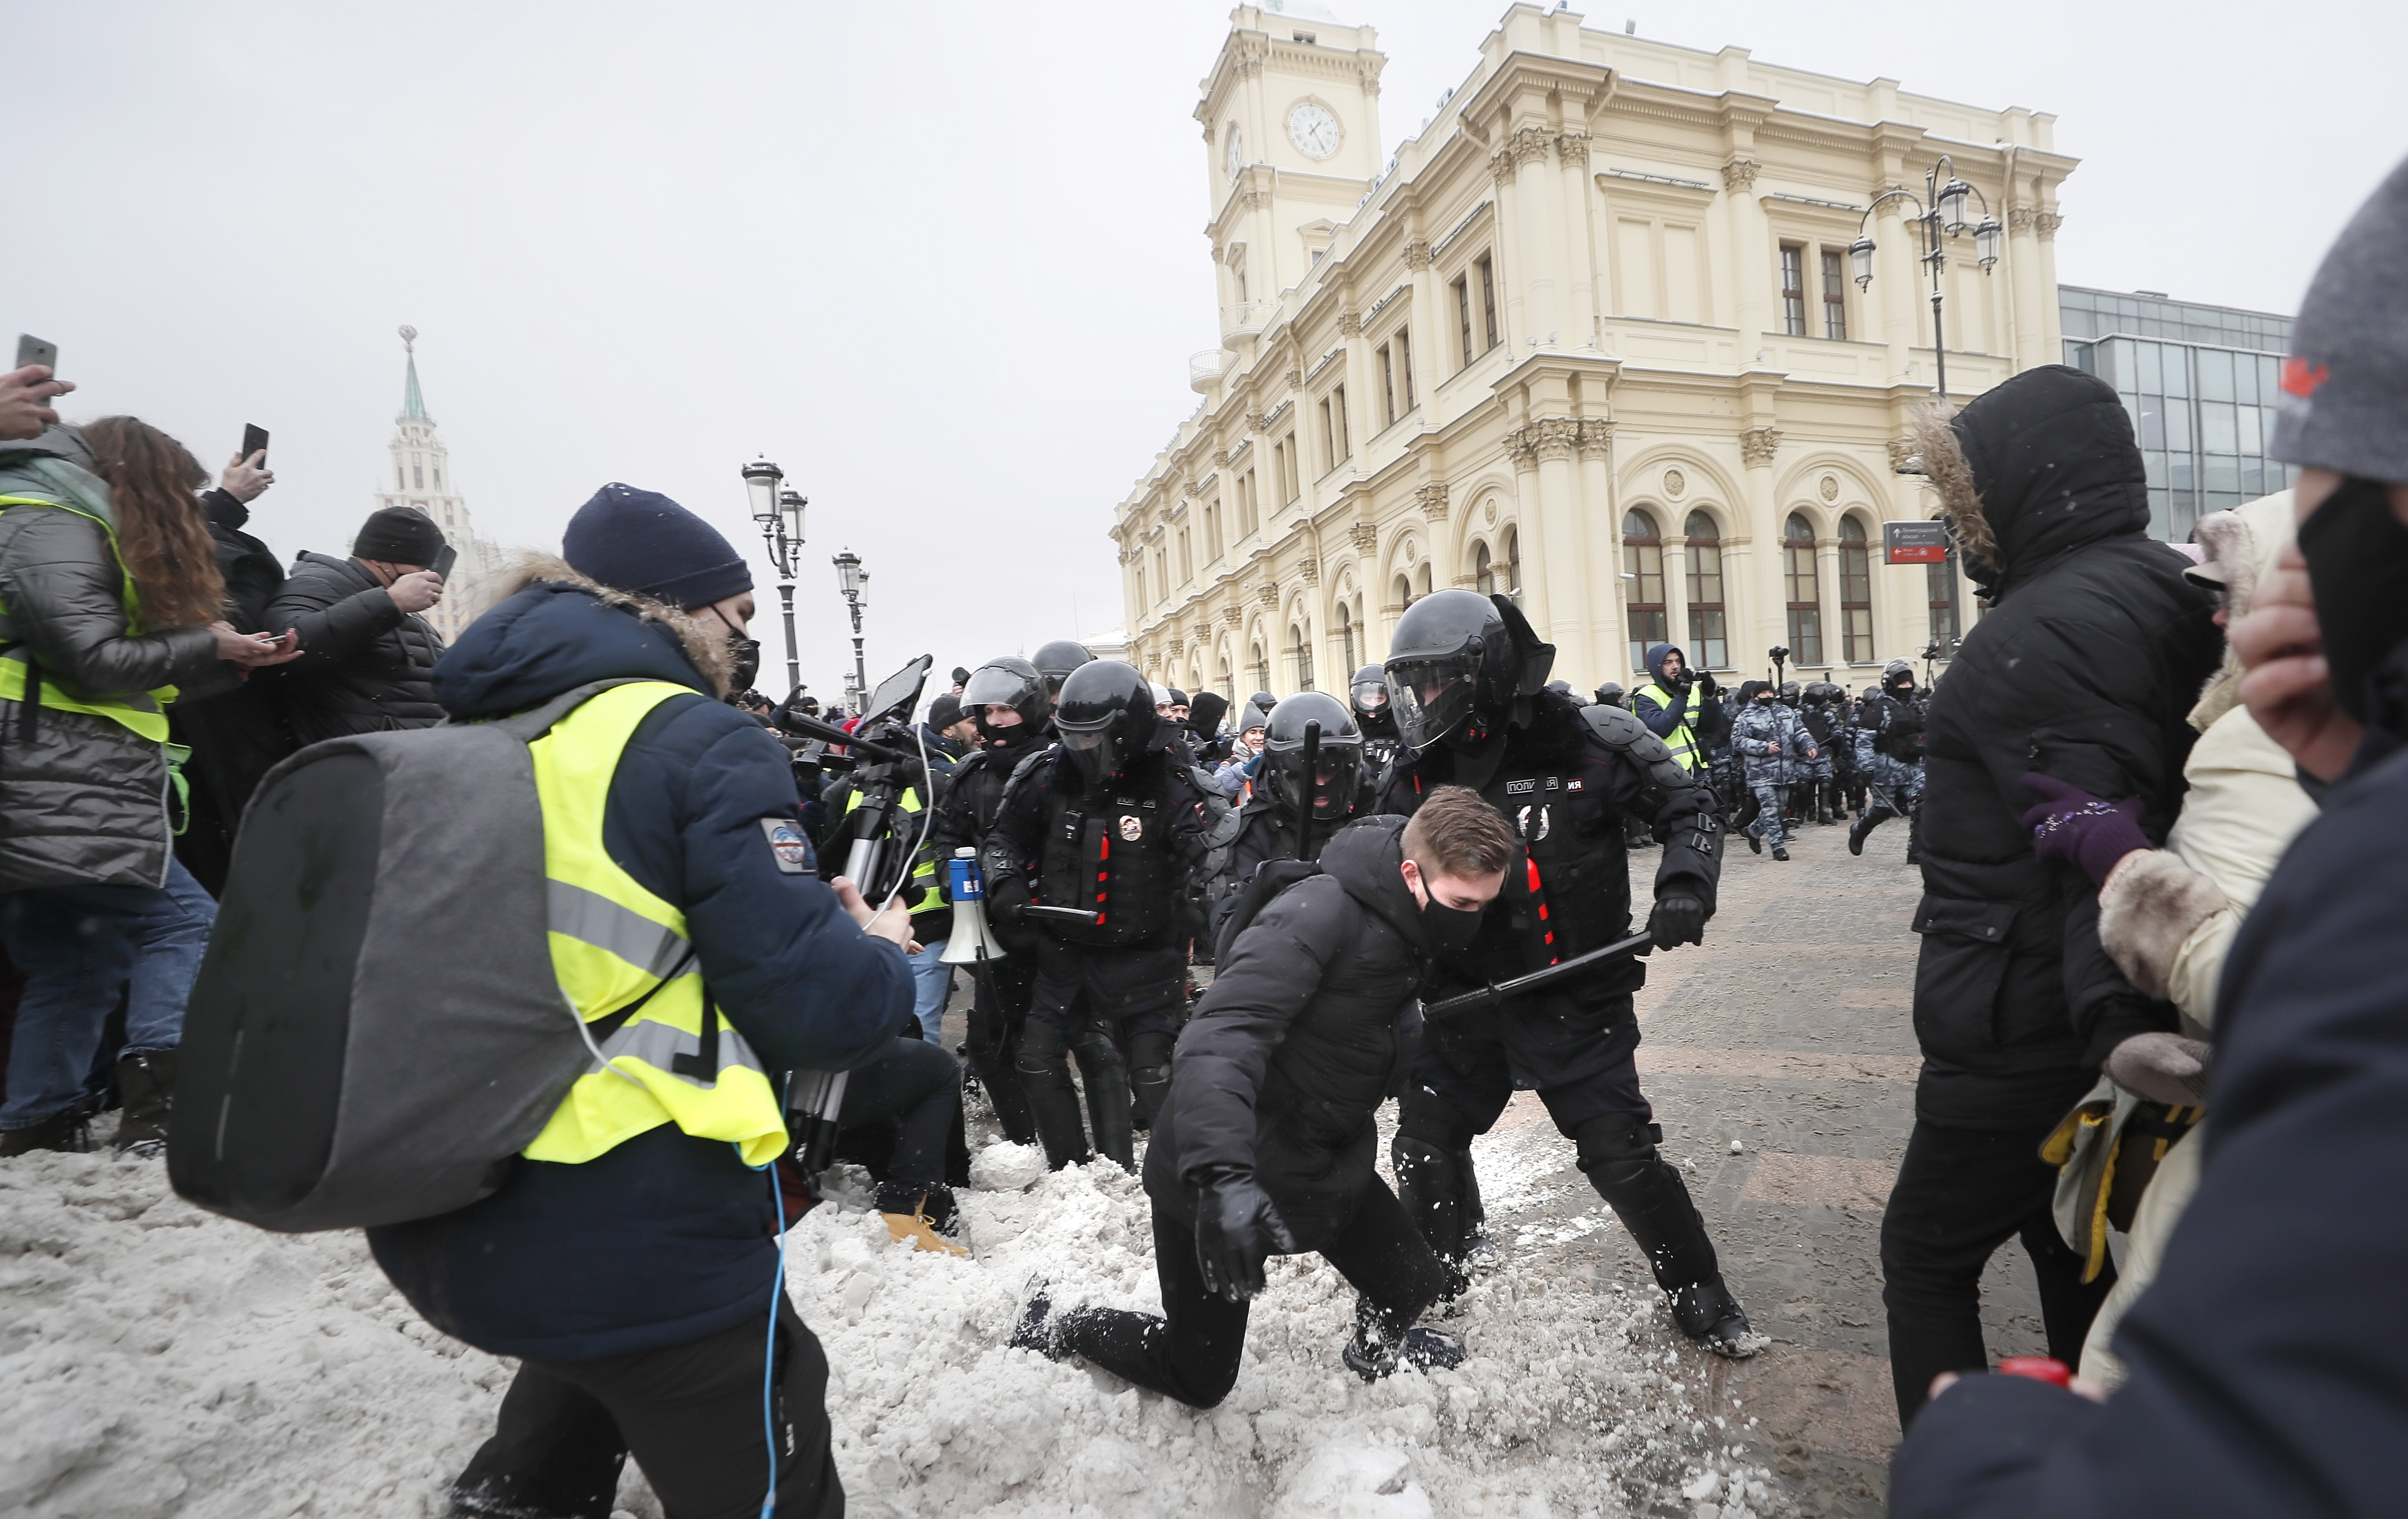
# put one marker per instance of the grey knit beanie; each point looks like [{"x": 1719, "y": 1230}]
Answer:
[{"x": 2344, "y": 403}]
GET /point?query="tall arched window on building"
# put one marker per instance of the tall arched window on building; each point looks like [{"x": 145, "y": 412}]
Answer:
[
  {"x": 1422, "y": 580},
  {"x": 1484, "y": 570},
  {"x": 1512, "y": 561},
  {"x": 1301, "y": 644},
  {"x": 1346, "y": 635},
  {"x": 1856, "y": 591},
  {"x": 1709, "y": 631},
  {"x": 1805, "y": 591},
  {"x": 1229, "y": 681},
  {"x": 1404, "y": 593},
  {"x": 1262, "y": 668},
  {"x": 1643, "y": 568}
]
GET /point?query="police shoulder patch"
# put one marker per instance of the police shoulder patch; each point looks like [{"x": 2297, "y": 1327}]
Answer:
[{"x": 788, "y": 844}]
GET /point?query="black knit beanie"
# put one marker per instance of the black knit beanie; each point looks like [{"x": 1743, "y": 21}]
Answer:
[
  {"x": 398, "y": 536},
  {"x": 643, "y": 542}
]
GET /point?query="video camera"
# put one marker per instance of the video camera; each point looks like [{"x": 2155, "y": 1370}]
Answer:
[{"x": 883, "y": 758}]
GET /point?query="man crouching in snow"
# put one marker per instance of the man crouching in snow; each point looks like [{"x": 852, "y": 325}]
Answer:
[{"x": 1266, "y": 1144}]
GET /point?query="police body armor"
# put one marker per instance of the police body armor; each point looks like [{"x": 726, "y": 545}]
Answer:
[{"x": 1110, "y": 854}]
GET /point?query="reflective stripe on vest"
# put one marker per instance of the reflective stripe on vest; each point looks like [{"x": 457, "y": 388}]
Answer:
[
  {"x": 613, "y": 942},
  {"x": 143, "y": 713},
  {"x": 1681, "y": 741}
]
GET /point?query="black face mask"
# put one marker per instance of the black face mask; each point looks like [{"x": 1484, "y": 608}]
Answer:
[
  {"x": 747, "y": 653},
  {"x": 2358, "y": 560},
  {"x": 1447, "y": 932}
]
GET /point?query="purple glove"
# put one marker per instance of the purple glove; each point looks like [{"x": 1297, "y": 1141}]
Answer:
[{"x": 2077, "y": 828}]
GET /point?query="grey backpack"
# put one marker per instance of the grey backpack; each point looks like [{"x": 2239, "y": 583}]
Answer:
[{"x": 376, "y": 1031}]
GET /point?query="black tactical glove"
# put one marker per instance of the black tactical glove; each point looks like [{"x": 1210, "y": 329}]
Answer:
[
  {"x": 1005, "y": 898},
  {"x": 1707, "y": 687},
  {"x": 1679, "y": 918},
  {"x": 1236, "y": 1226}
]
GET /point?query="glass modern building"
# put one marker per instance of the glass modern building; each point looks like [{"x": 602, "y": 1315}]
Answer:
[{"x": 2200, "y": 382}]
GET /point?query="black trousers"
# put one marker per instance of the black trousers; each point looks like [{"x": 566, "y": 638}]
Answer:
[
  {"x": 1193, "y": 1352},
  {"x": 998, "y": 1013},
  {"x": 1960, "y": 1194},
  {"x": 690, "y": 1413},
  {"x": 916, "y": 1087}
]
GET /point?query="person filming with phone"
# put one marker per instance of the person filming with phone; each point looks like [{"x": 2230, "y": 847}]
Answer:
[{"x": 368, "y": 657}]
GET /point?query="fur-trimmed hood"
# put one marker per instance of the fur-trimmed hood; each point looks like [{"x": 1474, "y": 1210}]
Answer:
[
  {"x": 2032, "y": 469},
  {"x": 2242, "y": 544},
  {"x": 549, "y": 628}
]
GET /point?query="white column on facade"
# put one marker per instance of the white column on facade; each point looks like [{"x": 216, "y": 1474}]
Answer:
[
  {"x": 1540, "y": 240},
  {"x": 1539, "y": 543},
  {"x": 1601, "y": 566},
  {"x": 1752, "y": 259},
  {"x": 1829, "y": 592},
  {"x": 1508, "y": 265},
  {"x": 1896, "y": 285},
  {"x": 1578, "y": 302},
  {"x": 1567, "y": 624}
]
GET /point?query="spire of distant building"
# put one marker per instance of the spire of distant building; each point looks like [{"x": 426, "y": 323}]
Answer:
[
  {"x": 413, "y": 406},
  {"x": 420, "y": 466}
]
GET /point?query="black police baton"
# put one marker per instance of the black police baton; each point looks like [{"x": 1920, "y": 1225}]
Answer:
[
  {"x": 1312, "y": 776},
  {"x": 1060, "y": 914},
  {"x": 1638, "y": 944}
]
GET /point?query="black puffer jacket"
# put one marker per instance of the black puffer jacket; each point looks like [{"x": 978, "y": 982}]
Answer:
[
  {"x": 84, "y": 799},
  {"x": 1305, "y": 1029},
  {"x": 364, "y": 664},
  {"x": 2082, "y": 670},
  {"x": 237, "y": 737}
]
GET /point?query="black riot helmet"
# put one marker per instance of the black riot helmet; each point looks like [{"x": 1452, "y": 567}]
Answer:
[
  {"x": 1462, "y": 663},
  {"x": 1898, "y": 677},
  {"x": 1790, "y": 692},
  {"x": 1337, "y": 763},
  {"x": 1008, "y": 681},
  {"x": 1056, "y": 660},
  {"x": 1105, "y": 717},
  {"x": 1612, "y": 695},
  {"x": 1367, "y": 692}
]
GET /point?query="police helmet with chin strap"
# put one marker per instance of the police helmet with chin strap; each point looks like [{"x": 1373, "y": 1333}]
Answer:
[
  {"x": 1337, "y": 765},
  {"x": 1008, "y": 681},
  {"x": 1105, "y": 718},
  {"x": 1464, "y": 664}
]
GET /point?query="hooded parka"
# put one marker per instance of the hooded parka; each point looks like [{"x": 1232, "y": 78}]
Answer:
[
  {"x": 1310, "y": 1023},
  {"x": 2084, "y": 669},
  {"x": 83, "y": 797}
]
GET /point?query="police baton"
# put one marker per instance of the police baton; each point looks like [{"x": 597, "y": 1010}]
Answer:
[
  {"x": 1638, "y": 944},
  {"x": 1060, "y": 914}
]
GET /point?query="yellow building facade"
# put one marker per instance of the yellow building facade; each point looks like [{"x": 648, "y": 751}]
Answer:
[{"x": 1591, "y": 337}]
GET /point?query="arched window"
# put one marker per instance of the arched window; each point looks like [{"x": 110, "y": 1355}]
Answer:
[
  {"x": 1513, "y": 541},
  {"x": 1404, "y": 593},
  {"x": 1262, "y": 668},
  {"x": 1228, "y": 683},
  {"x": 1422, "y": 580},
  {"x": 1709, "y": 632},
  {"x": 1346, "y": 635},
  {"x": 1805, "y": 591},
  {"x": 1947, "y": 626},
  {"x": 1484, "y": 570},
  {"x": 1303, "y": 649},
  {"x": 1642, "y": 569},
  {"x": 1856, "y": 591}
]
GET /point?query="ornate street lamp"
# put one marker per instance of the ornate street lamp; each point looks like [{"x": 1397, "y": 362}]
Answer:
[
  {"x": 849, "y": 578},
  {"x": 1940, "y": 216},
  {"x": 780, "y": 513}
]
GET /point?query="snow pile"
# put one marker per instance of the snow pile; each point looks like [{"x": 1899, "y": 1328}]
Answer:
[
  {"x": 1570, "y": 1404},
  {"x": 158, "y": 1360}
]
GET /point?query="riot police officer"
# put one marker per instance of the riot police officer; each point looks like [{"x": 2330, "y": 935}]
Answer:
[
  {"x": 1106, "y": 827},
  {"x": 1006, "y": 698},
  {"x": 1466, "y": 676},
  {"x": 1891, "y": 720},
  {"x": 1368, "y": 694},
  {"x": 1266, "y": 828},
  {"x": 1056, "y": 660}
]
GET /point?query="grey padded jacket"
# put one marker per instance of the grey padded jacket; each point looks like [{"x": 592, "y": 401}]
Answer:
[{"x": 84, "y": 799}]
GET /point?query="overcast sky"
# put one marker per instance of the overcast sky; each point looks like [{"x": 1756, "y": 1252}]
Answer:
[{"x": 942, "y": 262}]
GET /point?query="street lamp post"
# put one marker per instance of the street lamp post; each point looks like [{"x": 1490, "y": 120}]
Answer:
[
  {"x": 1939, "y": 218},
  {"x": 849, "y": 578},
  {"x": 780, "y": 513}
]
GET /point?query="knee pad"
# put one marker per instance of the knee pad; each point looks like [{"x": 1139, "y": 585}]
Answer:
[
  {"x": 1616, "y": 1147},
  {"x": 1043, "y": 1050},
  {"x": 1148, "y": 1059},
  {"x": 1429, "y": 1119}
]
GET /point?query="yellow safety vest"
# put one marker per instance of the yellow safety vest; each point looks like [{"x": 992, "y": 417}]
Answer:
[
  {"x": 1681, "y": 741},
  {"x": 613, "y": 942},
  {"x": 144, "y": 713}
]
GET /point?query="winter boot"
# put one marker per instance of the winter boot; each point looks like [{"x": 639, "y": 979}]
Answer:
[
  {"x": 1708, "y": 1313},
  {"x": 1872, "y": 817},
  {"x": 1479, "y": 1251},
  {"x": 1053, "y": 1110},
  {"x": 1429, "y": 1182},
  {"x": 1823, "y": 805},
  {"x": 1377, "y": 1349},
  {"x": 920, "y": 1215},
  {"x": 1110, "y": 1109},
  {"x": 146, "y": 1085},
  {"x": 1781, "y": 854},
  {"x": 1754, "y": 841},
  {"x": 68, "y": 1132},
  {"x": 1034, "y": 1329}
]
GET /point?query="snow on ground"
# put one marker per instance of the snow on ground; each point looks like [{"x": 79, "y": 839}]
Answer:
[{"x": 156, "y": 1361}]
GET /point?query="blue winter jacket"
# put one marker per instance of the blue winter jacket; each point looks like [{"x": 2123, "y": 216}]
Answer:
[{"x": 665, "y": 1239}]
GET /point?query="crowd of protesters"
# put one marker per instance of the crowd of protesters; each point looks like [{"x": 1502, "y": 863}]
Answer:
[{"x": 2157, "y": 806}]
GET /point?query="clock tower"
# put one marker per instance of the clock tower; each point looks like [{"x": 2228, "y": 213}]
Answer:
[{"x": 1290, "y": 118}]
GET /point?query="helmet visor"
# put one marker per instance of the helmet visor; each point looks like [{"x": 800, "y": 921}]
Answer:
[
  {"x": 991, "y": 685},
  {"x": 1432, "y": 695},
  {"x": 1370, "y": 695},
  {"x": 1093, "y": 752}
]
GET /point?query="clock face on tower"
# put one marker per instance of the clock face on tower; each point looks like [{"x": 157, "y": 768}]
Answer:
[
  {"x": 1236, "y": 157},
  {"x": 1313, "y": 129}
]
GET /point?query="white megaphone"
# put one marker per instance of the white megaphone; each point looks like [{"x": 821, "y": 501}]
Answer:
[{"x": 971, "y": 941}]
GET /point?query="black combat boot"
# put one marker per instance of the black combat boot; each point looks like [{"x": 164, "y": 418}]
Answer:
[
  {"x": 1874, "y": 816},
  {"x": 1110, "y": 1110},
  {"x": 146, "y": 1086},
  {"x": 70, "y": 1131}
]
